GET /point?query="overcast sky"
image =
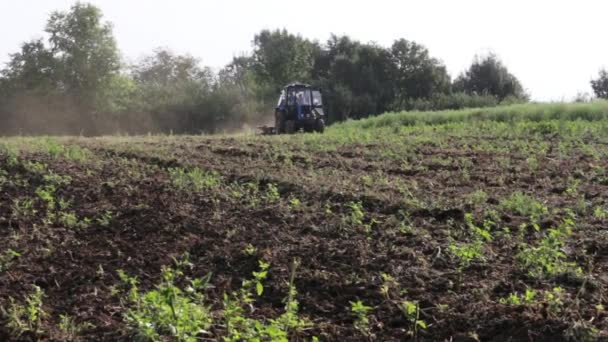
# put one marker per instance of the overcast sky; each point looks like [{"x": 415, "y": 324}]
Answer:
[{"x": 554, "y": 47}]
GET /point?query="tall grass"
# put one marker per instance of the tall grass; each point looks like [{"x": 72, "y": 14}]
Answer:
[{"x": 533, "y": 112}]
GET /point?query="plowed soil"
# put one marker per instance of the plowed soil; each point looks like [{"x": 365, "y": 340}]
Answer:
[{"x": 414, "y": 202}]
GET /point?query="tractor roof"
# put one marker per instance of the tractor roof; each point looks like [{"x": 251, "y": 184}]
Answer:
[{"x": 298, "y": 85}]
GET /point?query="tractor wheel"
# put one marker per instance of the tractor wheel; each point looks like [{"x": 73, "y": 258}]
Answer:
[
  {"x": 320, "y": 126},
  {"x": 279, "y": 123},
  {"x": 290, "y": 126}
]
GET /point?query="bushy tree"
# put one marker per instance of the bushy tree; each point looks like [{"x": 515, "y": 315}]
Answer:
[
  {"x": 600, "y": 85},
  {"x": 418, "y": 75},
  {"x": 280, "y": 57},
  {"x": 488, "y": 76},
  {"x": 85, "y": 50}
]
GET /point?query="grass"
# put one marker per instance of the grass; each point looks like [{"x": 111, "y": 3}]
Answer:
[{"x": 533, "y": 112}]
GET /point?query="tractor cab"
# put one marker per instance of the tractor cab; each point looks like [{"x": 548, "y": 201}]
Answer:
[{"x": 300, "y": 106}]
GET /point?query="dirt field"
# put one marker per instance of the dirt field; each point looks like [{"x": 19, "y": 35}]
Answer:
[{"x": 455, "y": 234}]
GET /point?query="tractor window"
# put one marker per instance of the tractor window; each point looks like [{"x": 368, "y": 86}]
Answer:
[
  {"x": 316, "y": 98},
  {"x": 303, "y": 97},
  {"x": 291, "y": 97}
]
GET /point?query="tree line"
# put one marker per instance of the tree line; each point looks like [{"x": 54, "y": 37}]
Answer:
[{"x": 75, "y": 82}]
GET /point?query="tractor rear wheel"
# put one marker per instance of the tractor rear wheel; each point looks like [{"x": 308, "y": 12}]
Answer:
[
  {"x": 279, "y": 123},
  {"x": 320, "y": 125},
  {"x": 290, "y": 126}
]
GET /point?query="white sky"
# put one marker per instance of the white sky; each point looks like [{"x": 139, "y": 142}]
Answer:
[{"x": 554, "y": 47}]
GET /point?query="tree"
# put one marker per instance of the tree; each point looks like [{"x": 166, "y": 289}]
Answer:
[
  {"x": 417, "y": 74},
  {"x": 281, "y": 57},
  {"x": 31, "y": 70},
  {"x": 85, "y": 50},
  {"x": 174, "y": 89},
  {"x": 600, "y": 85},
  {"x": 168, "y": 80},
  {"x": 488, "y": 76},
  {"x": 357, "y": 79}
]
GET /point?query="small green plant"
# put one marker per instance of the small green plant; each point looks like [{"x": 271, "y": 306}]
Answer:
[
  {"x": 22, "y": 208},
  {"x": 194, "y": 179},
  {"x": 555, "y": 300},
  {"x": 600, "y": 213},
  {"x": 477, "y": 197},
  {"x": 77, "y": 153},
  {"x": 11, "y": 153},
  {"x": 524, "y": 205},
  {"x": 294, "y": 203},
  {"x": 168, "y": 311},
  {"x": 6, "y": 259},
  {"x": 532, "y": 163},
  {"x": 70, "y": 220},
  {"x": 272, "y": 194},
  {"x": 548, "y": 258},
  {"x": 70, "y": 329},
  {"x": 572, "y": 187},
  {"x": 105, "y": 218},
  {"x": 22, "y": 318},
  {"x": 250, "y": 250},
  {"x": 528, "y": 297},
  {"x": 389, "y": 284},
  {"x": 411, "y": 310},
  {"x": 355, "y": 216},
  {"x": 474, "y": 249},
  {"x": 242, "y": 328},
  {"x": 361, "y": 312}
]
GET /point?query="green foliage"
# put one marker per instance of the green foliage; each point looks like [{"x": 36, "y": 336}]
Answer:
[
  {"x": 272, "y": 193},
  {"x": 240, "y": 327},
  {"x": 530, "y": 114},
  {"x": 477, "y": 197},
  {"x": 600, "y": 213},
  {"x": 524, "y": 205},
  {"x": 600, "y": 85},
  {"x": 70, "y": 329},
  {"x": 529, "y": 297},
  {"x": 361, "y": 312},
  {"x": 194, "y": 179},
  {"x": 548, "y": 259},
  {"x": 474, "y": 249},
  {"x": 417, "y": 74},
  {"x": 85, "y": 48},
  {"x": 25, "y": 318},
  {"x": 6, "y": 259},
  {"x": 488, "y": 75},
  {"x": 411, "y": 310},
  {"x": 280, "y": 57},
  {"x": 22, "y": 208},
  {"x": 555, "y": 300},
  {"x": 168, "y": 311},
  {"x": 105, "y": 218}
]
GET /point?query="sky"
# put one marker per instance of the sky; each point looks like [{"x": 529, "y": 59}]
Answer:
[{"x": 554, "y": 47}]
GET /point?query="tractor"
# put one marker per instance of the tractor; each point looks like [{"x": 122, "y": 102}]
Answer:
[{"x": 300, "y": 107}]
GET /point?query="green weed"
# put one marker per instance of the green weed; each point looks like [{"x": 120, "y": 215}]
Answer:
[
  {"x": 6, "y": 259},
  {"x": 524, "y": 205},
  {"x": 361, "y": 312},
  {"x": 411, "y": 310},
  {"x": 548, "y": 258},
  {"x": 194, "y": 179},
  {"x": 168, "y": 311},
  {"x": 25, "y": 318}
]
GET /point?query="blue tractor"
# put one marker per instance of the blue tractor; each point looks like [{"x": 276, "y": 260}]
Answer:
[{"x": 300, "y": 107}]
